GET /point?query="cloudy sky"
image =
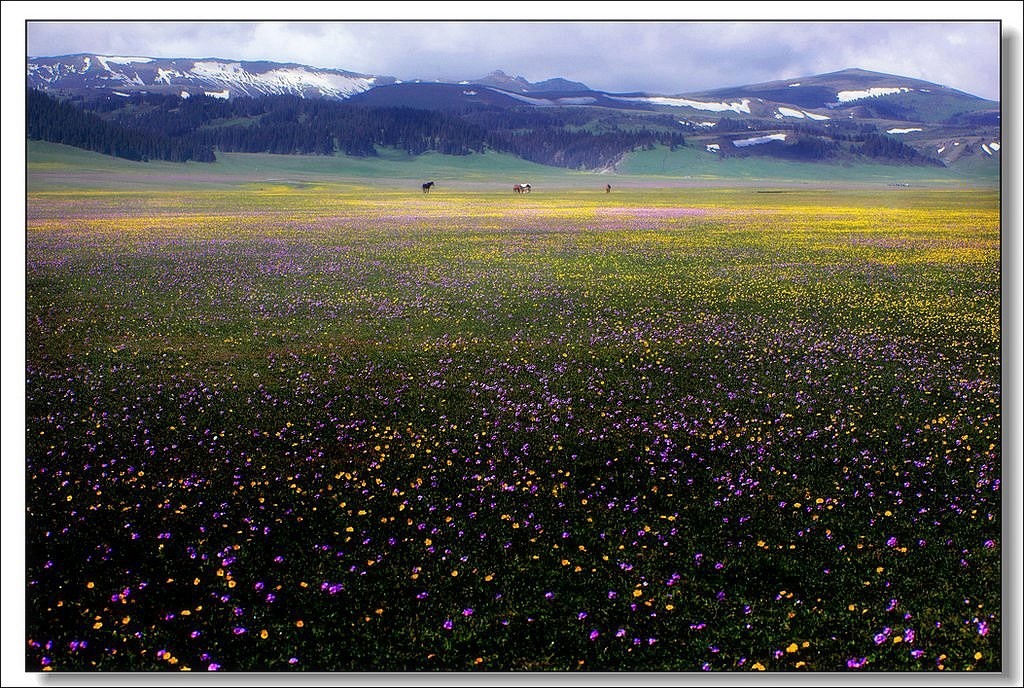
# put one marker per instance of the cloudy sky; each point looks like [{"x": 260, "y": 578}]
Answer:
[{"x": 666, "y": 48}]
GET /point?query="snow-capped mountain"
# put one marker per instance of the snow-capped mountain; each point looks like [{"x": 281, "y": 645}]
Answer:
[
  {"x": 804, "y": 118},
  {"x": 847, "y": 93},
  {"x": 843, "y": 94},
  {"x": 82, "y": 74}
]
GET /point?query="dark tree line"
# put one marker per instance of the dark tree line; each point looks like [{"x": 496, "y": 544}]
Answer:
[
  {"x": 888, "y": 148},
  {"x": 49, "y": 119},
  {"x": 578, "y": 149},
  {"x": 167, "y": 127}
]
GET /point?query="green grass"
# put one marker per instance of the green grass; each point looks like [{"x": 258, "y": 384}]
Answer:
[{"x": 54, "y": 167}]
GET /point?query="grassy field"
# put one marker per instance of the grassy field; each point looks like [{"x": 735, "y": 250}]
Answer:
[
  {"x": 291, "y": 422},
  {"x": 54, "y": 167}
]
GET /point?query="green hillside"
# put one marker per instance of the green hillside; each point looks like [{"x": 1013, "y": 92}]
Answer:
[
  {"x": 53, "y": 167},
  {"x": 692, "y": 162}
]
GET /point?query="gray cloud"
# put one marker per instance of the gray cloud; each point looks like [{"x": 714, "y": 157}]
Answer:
[{"x": 655, "y": 56}]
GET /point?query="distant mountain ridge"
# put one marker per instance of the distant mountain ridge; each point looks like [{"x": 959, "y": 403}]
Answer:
[
  {"x": 817, "y": 117},
  {"x": 84, "y": 73},
  {"x": 81, "y": 73},
  {"x": 500, "y": 79}
]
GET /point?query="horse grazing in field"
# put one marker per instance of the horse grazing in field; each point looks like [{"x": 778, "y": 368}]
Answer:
[
  {"x": 426, "y": 187},
  {"x": 522, "y": 188},
  {"x": 607, "y": 188}
]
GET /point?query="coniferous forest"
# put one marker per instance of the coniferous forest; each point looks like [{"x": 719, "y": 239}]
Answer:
[
  {"x": 164, "y": 127},
  {"x": 151, "y": 126}
]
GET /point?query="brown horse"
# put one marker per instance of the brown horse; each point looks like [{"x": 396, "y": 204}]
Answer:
[
  {"x": 426, "y": 187},
  {"x": 522, "y": 188}
]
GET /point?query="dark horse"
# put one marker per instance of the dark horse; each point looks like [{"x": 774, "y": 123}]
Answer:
[
  {"x": 426, "y": 187},
  {"x": 522, "y": 188}
]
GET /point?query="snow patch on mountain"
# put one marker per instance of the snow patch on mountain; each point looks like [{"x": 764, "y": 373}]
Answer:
[
  {"x": 525, "y": 99},
  {"x": 167, "y": 75},
  {"x": 279, "y": 81},
  {"x": 790, "y": 112},
  {"x": 325, "y": 83},
  {"x": 743, "y": 143},
  {"x": 848, "y": 96},
  {"x": 548, "y": 102},
  {"x": 742, "y": 107},
  {"x": 116, "y": 74},
  {"x": 903, "y": 131},
  {"x": 125, "y": 60}
]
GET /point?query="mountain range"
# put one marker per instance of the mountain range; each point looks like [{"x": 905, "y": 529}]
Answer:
[{"x": 941, "y": 125}]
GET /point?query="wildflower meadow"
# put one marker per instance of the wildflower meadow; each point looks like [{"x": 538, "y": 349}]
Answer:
[{"x": 338, "y": 428}]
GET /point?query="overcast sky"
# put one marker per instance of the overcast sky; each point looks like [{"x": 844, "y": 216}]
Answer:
[{"x": 636, "y": 49}]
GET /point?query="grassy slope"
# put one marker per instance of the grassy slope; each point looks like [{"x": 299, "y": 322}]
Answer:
[
  {"x": 54, "y": 167},
  {"x": 697, "y": 163}
]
